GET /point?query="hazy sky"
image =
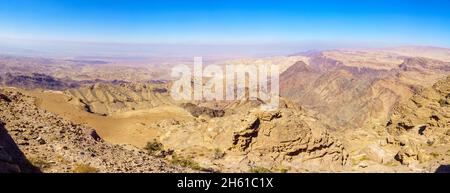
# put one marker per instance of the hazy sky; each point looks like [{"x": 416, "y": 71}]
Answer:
[{"x": 365, "y": 22}]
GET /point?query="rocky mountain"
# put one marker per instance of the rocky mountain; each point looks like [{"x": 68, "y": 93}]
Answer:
[
  {"x": 421, "y": 124},
  {"x": 373, "y": 110},
  {"x": 35, "y": 80},
  {"x": 53, "y": 144},
  {"x": 105, "y": 99},
  {"x": 414, "y": 138},
  {"x": 287, "y": 139},
  {"x": 346, "y": 95},
  {"x": 83, "y": 69}
]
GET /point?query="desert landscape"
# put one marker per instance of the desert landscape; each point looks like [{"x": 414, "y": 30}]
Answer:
[
  {"x": 361, "y": 110},
  {"x": 230, "y": 86}
]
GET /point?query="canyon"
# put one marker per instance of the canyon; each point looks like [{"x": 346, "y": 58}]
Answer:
[{"x": 361, "y": 110}]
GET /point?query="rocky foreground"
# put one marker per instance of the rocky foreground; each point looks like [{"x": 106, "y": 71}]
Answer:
[{"x": 33, "y": 140}]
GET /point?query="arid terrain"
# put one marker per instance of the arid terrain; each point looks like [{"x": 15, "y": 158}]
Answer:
[{"x": 354, "y": 110}]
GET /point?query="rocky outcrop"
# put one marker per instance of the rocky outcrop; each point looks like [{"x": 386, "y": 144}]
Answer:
[
  {"x": 285, "y": 138},
  {"x": 426, "y": 111},
  {"x": 351, "y": 95},
  {"x": 106, "y": 99},
  {"x": 53, "y": 144},
  {"x": 196, "y": 110},
  {"x": 420, "y": 125}
]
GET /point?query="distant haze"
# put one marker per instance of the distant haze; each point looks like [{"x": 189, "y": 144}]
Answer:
[
  {"x": 174, "y": 30},
  {"x": 167, "y": 52}
]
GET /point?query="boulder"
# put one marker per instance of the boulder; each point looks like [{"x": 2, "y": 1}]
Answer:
[{"x": 376, "y": 153}]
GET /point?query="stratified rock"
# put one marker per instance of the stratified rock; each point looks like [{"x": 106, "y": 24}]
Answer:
[{"x": 105, "y": 99}]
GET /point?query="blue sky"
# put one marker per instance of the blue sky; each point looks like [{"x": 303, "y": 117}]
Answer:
[{"x": 229, "y": 22}]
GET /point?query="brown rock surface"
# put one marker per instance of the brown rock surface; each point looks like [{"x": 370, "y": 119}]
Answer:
[
  {"x": 286, "y": 138},
  {"x": 54, "y": 144}
]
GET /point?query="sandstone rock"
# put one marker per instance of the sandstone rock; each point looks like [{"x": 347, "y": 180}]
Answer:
[
  {"x": 40, "y": 141},
  {"x": 4, "y": 97},
  {"x": 376, "y": 153},
  {"x": 271, "y": 139},
  {"x": 92, "y": 133},
  {"x": 407, "y": 155}
]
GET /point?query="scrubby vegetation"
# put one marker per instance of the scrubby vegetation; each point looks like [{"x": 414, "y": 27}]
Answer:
[
  {"x": 82, "y": 168},
  {"x": 185, "y": 162},
  {"x": 443, "y": 102},
  {"x": 218, "y": 153},
  {"x": 38, "y": 162},
  {"x": 154, "y": 147},
  {"x": 259, "y": 169}
]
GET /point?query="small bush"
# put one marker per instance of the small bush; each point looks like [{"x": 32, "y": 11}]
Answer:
[
  {"x": 392, "y": 163},
  {"x": 154, "y": 147},
  {"x": 284, "y": 170},
  {"x": 259, "y": 169},
  {"x": 185, "y": 162},
  {"x": 82, "y": 168},
  {"x": 434, "y": 154},
  {"x": 38, "y": 162},
  {"x": 443, "y": 102},
  {"x": 218, "y": 154}
]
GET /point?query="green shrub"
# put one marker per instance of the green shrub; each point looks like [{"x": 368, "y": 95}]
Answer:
[
  {"x": 434, "y": 154},
  {"x": 154, "y": 147},
  {"x": 218, "y": 154},
  {"x": 82, "y": 168},
  {"x": 38, "y": 162},
  {"x": 185, "y": 162},
  {"x": 392, "y": 163},
  {"x": 284, "y": 170},
  {"x": 259, "y": 169},
  {"x": 443, "y": 102}
]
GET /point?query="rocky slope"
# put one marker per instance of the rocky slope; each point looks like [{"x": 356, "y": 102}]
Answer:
[
  {"x": 35, "y": 80},
  {"x": 287, "y": 139},
  {"x": 414, "y": 139},
  {"x": 53, "y": 144},
  {"x": 11, "y": 158},
  {"x": 421, "y": 125},
  {"x": 106, "y": 99},
  {"x": 345, "y": 95}
]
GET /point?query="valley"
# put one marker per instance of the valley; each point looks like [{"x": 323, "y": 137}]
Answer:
[{"x": 366, "y": 110}]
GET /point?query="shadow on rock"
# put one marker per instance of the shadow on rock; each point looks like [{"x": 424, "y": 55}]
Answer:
[
  {"x": 443, "y": 169},
  {"x": 12, "y": 160}
]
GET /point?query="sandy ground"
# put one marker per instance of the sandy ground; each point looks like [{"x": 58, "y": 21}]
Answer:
[{"x": 123, "y": 128}]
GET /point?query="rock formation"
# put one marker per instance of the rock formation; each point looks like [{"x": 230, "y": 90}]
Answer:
[
  {"x": 283, "y": 139},
  {"x": 106, "y": 99}
]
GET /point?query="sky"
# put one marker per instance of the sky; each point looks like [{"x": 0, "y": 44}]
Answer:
[{"x": 229, "y": 22}]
